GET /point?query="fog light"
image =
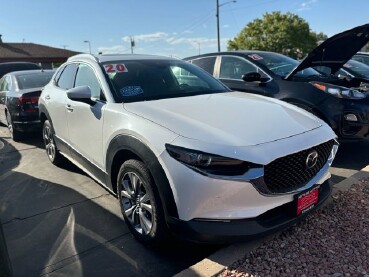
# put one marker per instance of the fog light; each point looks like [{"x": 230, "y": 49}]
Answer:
[{"x": 351, "y": 117}]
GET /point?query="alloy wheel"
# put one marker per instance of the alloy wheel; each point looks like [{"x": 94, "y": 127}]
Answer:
[
  {"x": 136, "y": 203},
  {"x": 49, "y": 142}
]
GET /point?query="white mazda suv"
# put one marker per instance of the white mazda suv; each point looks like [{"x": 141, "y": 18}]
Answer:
[{"x": 183, "y": 153}]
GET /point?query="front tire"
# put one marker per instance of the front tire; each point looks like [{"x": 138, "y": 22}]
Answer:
[
  {"x": 51, "y": 150},
  {"x": 140, "y": 203}
]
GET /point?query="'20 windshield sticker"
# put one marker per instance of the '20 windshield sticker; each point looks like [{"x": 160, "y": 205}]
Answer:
[
  {"x": 255, "y": 57},
  {"x": 112, "y": 68},
  {"x": 131, "y": 91}
]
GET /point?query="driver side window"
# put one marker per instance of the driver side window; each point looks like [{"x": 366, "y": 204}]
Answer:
[
  {"x": 86, "y": 77},
  {"x": 234, "y": 68}
]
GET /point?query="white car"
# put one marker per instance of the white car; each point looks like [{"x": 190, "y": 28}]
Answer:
[{"x": 183, "y": 153}]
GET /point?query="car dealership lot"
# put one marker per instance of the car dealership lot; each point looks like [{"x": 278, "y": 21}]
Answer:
[{"x": 58, "y": 220}]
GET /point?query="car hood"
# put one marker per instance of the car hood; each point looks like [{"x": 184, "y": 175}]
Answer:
[
  {"x": 335, "y": 51},
  {"x": 232, "y": 118}
]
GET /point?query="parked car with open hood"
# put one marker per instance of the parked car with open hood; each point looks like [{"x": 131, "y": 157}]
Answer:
[
  {"x": 19, "y": 93},
  {"x": 182, "y": 152},
  {"x": 338, "y": 101}
]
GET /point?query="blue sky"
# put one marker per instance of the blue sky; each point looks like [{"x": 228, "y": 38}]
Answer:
[{"x": 164, "y": 27}]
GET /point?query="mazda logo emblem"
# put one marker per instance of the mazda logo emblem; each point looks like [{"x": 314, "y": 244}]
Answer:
[{"x": 312, "y": 159}]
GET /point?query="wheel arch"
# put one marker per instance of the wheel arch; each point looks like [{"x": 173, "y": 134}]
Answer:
[{"x": 126, "y": 147}]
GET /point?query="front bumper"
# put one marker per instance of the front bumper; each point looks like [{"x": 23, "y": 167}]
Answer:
[
  {"x": 348, "y": 118},
  {"x": 223, "y": 231}
]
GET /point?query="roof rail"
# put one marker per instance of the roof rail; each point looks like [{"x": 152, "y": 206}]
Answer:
[{"x": 83, "y": 56}]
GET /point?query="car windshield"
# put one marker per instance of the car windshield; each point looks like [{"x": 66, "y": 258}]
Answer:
[
  {"x": 281, "y": 65},
  {"x": 357, "y": 68},
  {"x": 33, "y": 80},
  {"x": 140, "y": 80}
]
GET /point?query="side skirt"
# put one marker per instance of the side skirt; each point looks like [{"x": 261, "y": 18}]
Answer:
[{"x": 83, "y": 163}]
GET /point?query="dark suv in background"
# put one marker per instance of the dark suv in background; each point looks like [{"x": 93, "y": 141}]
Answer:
[{"x": 341, "y": 102}]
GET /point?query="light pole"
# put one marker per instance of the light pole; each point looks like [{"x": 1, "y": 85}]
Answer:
[
  {"x": 89, "y": 45},
  {"x": 217, "y": 15}
]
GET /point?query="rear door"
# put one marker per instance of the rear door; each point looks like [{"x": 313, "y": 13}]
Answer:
[{"x": 56, "y": 100}]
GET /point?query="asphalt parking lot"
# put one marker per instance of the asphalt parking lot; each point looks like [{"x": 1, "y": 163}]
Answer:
[{"x": 58, "y": 221}]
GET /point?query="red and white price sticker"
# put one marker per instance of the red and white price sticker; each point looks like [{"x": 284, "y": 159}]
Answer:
[{"x": 112, "y": 68}]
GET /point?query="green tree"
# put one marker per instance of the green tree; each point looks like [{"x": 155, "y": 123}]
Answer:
[{"x": 287, "y": 33}]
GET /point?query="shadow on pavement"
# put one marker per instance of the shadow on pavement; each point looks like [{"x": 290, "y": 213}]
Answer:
[{"x": 51, "y": 228}]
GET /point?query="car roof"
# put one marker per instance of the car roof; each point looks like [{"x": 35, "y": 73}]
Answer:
[
  {"x": 362, "y": 53},
  {"x": 235, "y": 52},
  {"x": 117, "y": 57},
  {"x": 21, "y": 72}
]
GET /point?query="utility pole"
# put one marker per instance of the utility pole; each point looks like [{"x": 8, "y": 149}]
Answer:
[
  {"x": 132, "y": 44},
  {"x": 217, "y": 15},
  {"x": 89, "y": 45}
]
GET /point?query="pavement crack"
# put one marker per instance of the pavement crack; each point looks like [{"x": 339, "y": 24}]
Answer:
[{"x": 55, "y": 209}]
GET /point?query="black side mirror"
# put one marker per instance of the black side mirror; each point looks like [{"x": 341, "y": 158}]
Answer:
[
  {"x": 252, "y": 77},
  {"x": 80, "y": 94}
]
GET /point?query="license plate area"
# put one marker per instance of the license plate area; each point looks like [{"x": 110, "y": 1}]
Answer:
[{"x": 307, "y": 200}]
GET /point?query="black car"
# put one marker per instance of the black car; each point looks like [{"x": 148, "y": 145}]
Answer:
[
  {"x": 354, "y": 69},
  {"x": 16, "y": 66},
  {"x": 19, "y": 93},
  {"x": 338, "y": 101},
  {"x": 362, "y": 57}
]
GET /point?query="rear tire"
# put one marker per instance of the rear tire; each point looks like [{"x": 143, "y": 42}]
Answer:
[
  {"x": 141, "y": 204},
  {"x": 51, "y": 150},
  {"x": 14, "y": 134}
]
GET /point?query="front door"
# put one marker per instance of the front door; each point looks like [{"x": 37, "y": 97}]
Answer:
[{"x": 85, "y": 121}]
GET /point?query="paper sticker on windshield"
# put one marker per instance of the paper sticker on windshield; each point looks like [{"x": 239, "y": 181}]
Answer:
[
  {"x": 347, "y": 65},
  {"x": 255, "y": 57},
  {"x": 131, "y": 91},
  {"x": 112, "y": 68}
]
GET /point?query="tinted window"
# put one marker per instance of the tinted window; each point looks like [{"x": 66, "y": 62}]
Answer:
[
  {"x": 280, "y": 64},
  {"x": 33, "y": 80},
  {"x": 142, "y": 80},
  {"x": 66, "y": 80},
  {"x": 205, "y": 63},
  {"x": 234, "y": 67},
  {"x": 86, "y": 77},
  {"x": 5, "y": 83},
  {"x": 10, "y": 67}
]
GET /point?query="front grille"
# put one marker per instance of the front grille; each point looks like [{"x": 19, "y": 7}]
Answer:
[{"x": 290, "y": 172}]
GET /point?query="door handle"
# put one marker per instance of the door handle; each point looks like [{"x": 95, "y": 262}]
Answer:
[
  {"x": 47, "y": 97},
  {"x": 69, "y": 108}
]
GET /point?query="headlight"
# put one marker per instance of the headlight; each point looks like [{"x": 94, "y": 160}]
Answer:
[
  {"x": 340, "y": 92},
  {"x": 208, "y": 163}
]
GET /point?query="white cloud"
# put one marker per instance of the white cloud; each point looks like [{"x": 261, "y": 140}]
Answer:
[
  {"x": 305, "y": 6},
  {"x": 164, "y": 43},
  {"x": 147, "y": 37},
  {"x": 187, "y": 32},
  {"x": 226, "y": 26},
  {"x": 115, "y": 49}
]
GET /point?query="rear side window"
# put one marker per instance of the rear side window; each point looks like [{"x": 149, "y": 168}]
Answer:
[
  {"x": 205, "y": 63},
  {"x": 66, "y": 79}
]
